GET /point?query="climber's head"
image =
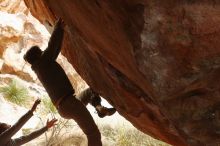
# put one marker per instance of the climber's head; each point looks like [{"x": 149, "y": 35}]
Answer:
[{"x": 33, "y": 54}]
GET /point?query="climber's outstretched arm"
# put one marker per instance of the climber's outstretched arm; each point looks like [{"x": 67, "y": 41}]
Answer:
[
  {"x": 6, "y": 136},
  {"x": 24, "y": 139},
  {"x": 55, "y": 42}
]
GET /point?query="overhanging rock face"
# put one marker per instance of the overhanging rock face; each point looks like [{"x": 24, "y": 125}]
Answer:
[{"x": 156, "y": 61}]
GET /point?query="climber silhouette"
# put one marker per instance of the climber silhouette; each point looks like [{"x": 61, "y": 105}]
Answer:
[
  {"x": 7, "y": 131},
  {"x": 59, "y": 88}
]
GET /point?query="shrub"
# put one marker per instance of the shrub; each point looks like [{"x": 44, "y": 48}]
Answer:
[{"x": 15, "y": 93}]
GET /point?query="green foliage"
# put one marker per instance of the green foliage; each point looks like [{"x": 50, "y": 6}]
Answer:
[
  {"x": 48, "y": 105},
  {"x": 15, "y": 93}
]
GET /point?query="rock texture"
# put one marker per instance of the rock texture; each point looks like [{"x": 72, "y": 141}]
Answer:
[
  {"x": 156, "y": 61},
  {"x": 19, "y": 30},
  {"x": 13, "y": 6}
]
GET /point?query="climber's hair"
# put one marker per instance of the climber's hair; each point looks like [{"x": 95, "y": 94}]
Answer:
[
  {"x": 32, "y": 54},
  {"x": 3, "y": 127}
]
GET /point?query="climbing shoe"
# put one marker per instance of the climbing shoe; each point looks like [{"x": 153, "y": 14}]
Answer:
[{"x": 104, "y": 111}]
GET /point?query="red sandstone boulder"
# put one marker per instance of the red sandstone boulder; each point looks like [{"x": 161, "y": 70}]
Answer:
[{"x": 156, "y": 61}]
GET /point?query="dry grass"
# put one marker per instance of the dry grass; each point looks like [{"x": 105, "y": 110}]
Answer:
[
  {"x": 127, "y": 136},
  {"x": 117, "y": 136}
]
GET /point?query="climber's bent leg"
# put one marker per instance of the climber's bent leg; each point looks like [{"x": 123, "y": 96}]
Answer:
[
  {"x": 90, "y": 96},
  {"x": 102, "y": 111},
  {"x": 71, "y": 108}
]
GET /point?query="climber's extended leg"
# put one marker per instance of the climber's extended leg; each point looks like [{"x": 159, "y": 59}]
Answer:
[{"x": 71, "y": 108}]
